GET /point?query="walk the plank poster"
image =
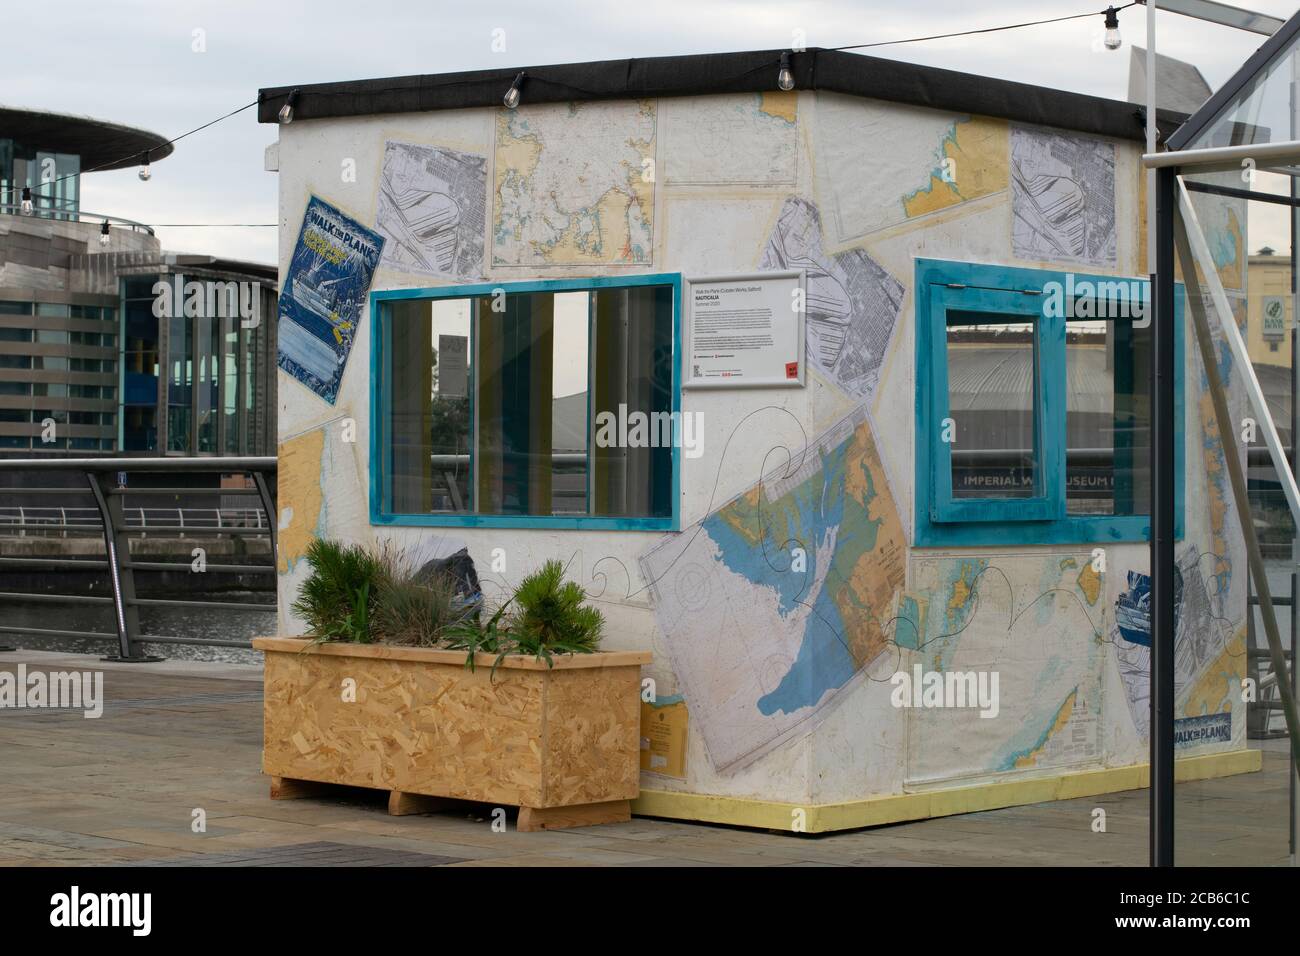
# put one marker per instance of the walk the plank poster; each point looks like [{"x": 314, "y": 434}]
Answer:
[{"x": 324, "y": 292}]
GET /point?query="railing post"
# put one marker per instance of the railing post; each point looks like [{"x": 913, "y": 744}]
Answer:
[
  {"x": 272, "y": 519},
  {"x": 117, "y": 546}
]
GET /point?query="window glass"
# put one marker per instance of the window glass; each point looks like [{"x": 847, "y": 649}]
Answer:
[
  {"x": 520, "y": 404},
  {"x": 230, "y": 384},
  {"x": 631, "y": 360},
  {"x": 991, "y": 400},
  {"x": 1107, "y": 410},
  {"x": 430, "y": 455},
  {"x": 180, "y": 383}
]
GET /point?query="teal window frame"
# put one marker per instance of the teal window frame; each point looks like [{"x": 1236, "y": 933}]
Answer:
[
  {"x": 380, "y": 325},
  {"x": 941, "y": 520}
]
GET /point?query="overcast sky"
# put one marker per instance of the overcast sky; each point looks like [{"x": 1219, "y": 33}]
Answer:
[{"x": 132, "y": 61}]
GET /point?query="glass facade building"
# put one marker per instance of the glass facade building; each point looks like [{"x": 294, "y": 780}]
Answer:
[{"x": 119, "y": 348}]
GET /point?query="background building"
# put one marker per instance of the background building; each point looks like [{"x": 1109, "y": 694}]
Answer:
[{"x": 86, "y": 364}]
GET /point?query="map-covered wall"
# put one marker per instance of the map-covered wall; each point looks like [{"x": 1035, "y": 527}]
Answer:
[{"x": 781, "y": 611}]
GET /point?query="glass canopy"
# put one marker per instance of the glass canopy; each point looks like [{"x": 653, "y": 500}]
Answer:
[{"x": 1256, "y": 105}]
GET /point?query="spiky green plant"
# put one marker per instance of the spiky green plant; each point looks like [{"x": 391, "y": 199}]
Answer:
[
  {"x": 337, "y": 599},
  {"x": 549, "y": 615}
]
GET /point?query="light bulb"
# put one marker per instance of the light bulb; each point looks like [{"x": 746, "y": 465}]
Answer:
[
  {"x": 1113, "y": 40},
  {"x": 785, "y": 78},
  {"x": 144, "y": 168},
  {"x": 286, "y": 111},
  {"x": 511, "y": 99},
  {"x": 103, "y": 233},
  {"x": 26, "y": 206}
]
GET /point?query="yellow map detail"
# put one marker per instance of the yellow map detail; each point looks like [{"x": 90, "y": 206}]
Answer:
[
  {"x": 866, "y": 600},
  {"x": 300, "y": 493},
  {"x": 961, "y": 590},
  {"x": 1216, "y": 481},
  {"x": 574, "y": 185},
  {"x": 782, "y": 105},
  {"x": 1089, "y": 582},
  {"x": 1058, "y": 724},
  {"x": 515, "y": 155},
  {"x": 1215, "y": 690},
  {"x": 1230, "y": 273},
  {"x": 974, "y": 164}
]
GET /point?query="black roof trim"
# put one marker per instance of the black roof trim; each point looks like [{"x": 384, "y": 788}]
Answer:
[
  {"x": 1210, "y": 109},
  {"x": 747, "y": 72}
]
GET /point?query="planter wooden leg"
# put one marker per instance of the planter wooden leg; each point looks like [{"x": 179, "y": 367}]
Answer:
[
  {"x": 401, "y": 803},
  {"x": 290, "y": 788},
  {"x": 580, "y": 815}
]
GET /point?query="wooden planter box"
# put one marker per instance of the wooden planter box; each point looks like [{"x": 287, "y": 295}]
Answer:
[{"x": 561, "y": 743}]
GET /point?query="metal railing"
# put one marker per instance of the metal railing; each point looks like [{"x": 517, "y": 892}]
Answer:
[
  {"x": 60, "y": 521},
  {"x": 113, "y": 519},
  {"x": 74, "y": 215}
]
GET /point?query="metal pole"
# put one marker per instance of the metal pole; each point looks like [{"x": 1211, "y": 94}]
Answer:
[
  {"x": 272, "y": 519},
  {"x": 1162, "y": 530},
  {"x": 117, "y": 546},
  {"x": 1151, "y": 134}
]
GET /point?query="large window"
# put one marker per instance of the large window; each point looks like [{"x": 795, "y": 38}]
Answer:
[
  {"x": 1033, "y": 422},
  {"x": 550, "y": 404}
]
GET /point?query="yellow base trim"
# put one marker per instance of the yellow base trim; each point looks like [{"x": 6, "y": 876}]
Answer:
[{"x": 898, "y": 808}]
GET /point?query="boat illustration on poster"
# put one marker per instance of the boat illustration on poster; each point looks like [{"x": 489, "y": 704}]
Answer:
[
  {"x": 324, "y": 292},
  {"x": 1133, "y": 607}
]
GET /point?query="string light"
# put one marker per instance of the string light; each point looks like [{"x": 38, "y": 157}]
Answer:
[
  {"x": 1112, "y": 30},
  {"x": 103, "y": 234},
  {"x": 144, "y": 167},
  {"x": 27, "y": 208},
  {"x": 286, "y": 111},
  {"x": 1008, "y": 26},
  {"x": 511, "y": 98},
  {"x": 785, "y": 78}
]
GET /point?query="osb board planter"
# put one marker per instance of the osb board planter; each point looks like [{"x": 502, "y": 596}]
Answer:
[{"x": 562, "y": 742}]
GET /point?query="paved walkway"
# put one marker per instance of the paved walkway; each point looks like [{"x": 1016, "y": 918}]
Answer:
[{"x": 179, "y": 737}]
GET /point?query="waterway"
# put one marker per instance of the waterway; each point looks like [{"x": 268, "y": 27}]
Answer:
[{"x": 210, "y": 623}]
